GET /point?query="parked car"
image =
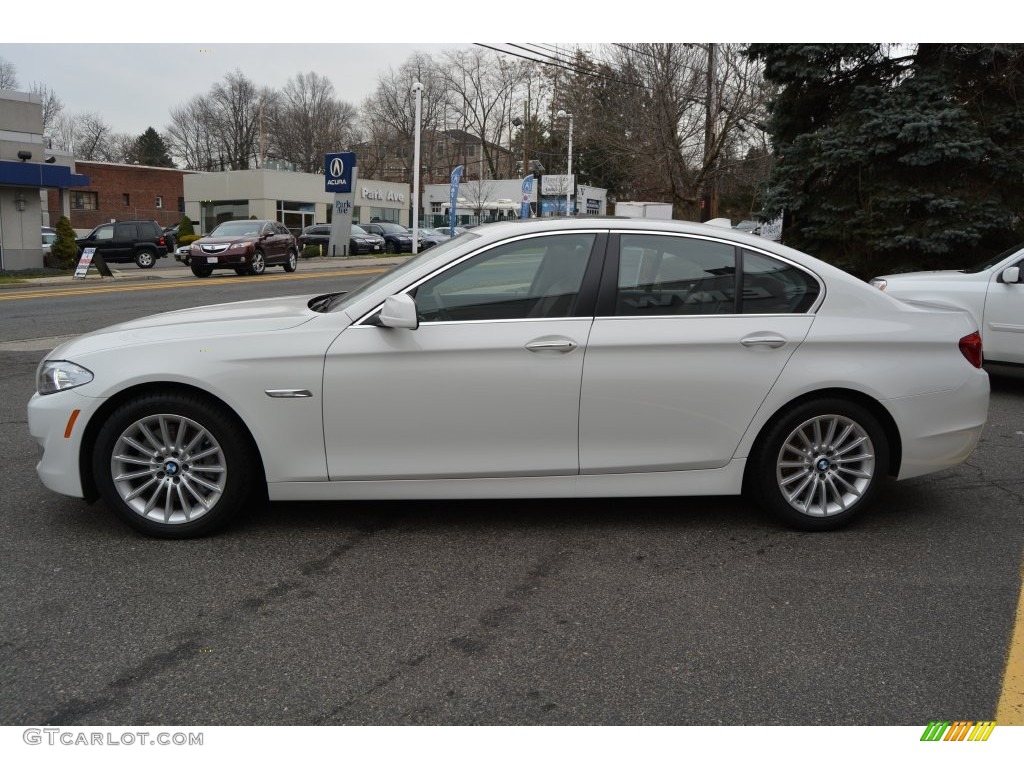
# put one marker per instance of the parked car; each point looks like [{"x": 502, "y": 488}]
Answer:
[
  {"x": 431, "y": 237},
  {"x": 317, "y": 234},
  {"x": 247, "y": 246},
  {"x": 183, "y": 253},
  {"x": 397, "y": 239},
  {"x": 49, "y": 238},
  {"x": 715, "y": 362},
  {"x": 992, "y": 292},
  {"x": 362, "y": 241},
  {"x": 124, "y": 241}
]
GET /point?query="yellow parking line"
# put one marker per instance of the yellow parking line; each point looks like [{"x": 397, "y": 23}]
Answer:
[
  {"x": 172, "y": 283},
  {"x": 1010, "y": 709}
]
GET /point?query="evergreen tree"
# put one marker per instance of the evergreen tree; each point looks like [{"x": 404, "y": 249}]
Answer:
[
  {"x": 64, "y": 250},
  {"x": 150, "y": 149},
  {"x": 890, "y": 162}
]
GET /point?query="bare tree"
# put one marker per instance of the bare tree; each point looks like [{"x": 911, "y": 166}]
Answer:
[
  {"x": 91, "y": 137},
  {"x": 308, "y": 121},
  {"x": 235, "y": 109},
  {"x": 389, "y": 117},
  {"x": 8, "y": 75},
  {"x": 52, "y": 106},
  {"x": 188, "y": 137}
]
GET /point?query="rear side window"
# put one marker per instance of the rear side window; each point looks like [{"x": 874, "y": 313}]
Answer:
[
  {"x": 662, "y": 275},
  {"x": 774, "y": 287},
  {"x": 124, "y": 231}
]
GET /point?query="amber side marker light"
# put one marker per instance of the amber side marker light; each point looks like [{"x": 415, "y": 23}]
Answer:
[
  {"x": 970, "y": 347},
  {"x": 71, "y": 423}
]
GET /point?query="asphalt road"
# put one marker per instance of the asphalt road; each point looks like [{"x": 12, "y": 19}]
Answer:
[{"x": 694, "y": 611}]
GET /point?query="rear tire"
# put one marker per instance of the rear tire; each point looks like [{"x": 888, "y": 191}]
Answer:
[
  {"x": 145, "y": 259},
  {"x": 293, "y": 262},
  {"x": 173, "y": 464},
  {"x": 821, "y": 465}
]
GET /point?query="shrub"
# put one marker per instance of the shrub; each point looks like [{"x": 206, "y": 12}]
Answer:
[
  {"x": 186, "y": 239},
  {"x": 310, "y": 251},
  {"x": 185, "y": 229},
  {"x": 64, "y": 251}
]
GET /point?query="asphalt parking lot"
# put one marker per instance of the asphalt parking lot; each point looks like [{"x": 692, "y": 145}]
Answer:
[{"x": 668, "y": 611}]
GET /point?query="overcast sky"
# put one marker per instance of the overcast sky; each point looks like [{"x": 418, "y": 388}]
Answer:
[{"x": 134, "y": 85}]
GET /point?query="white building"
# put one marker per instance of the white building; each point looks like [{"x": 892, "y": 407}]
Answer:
[
  {"x": 297, "y": 200},
  {"x": 500, "y": 199}
]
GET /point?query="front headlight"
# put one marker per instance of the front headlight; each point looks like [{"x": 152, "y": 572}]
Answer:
[
  {"x": 58, "y": 375},
  {"x": 879, "y": 283}
]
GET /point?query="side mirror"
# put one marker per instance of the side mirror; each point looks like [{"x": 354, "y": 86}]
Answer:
[
  {"x": 400, "y": 312},
  {"x": 1010, "y": 275}
]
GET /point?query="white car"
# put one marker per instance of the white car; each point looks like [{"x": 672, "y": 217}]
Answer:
[
  {"x": 543, "y": 358},
  {"x": 992, "y": 292}
]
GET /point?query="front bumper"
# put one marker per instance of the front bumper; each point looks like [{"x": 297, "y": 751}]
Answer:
[{"x": 57, "y": 422}]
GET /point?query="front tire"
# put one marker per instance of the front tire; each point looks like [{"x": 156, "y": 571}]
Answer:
[
  {"x": 390, "y": 247},
  {"x": 201, "y": 271},
  {"x": 259, "y": 263},
  {"x": 821, "y": 465},
  {"x": 173, "y": 465},
  {"x": 145, "y": 259}
]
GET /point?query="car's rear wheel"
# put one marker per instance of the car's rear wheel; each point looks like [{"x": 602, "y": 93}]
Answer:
[
  {"x": 173, "y": 465},
  {"x": 200, "y": 270},
  {"x": 145, "y": 259},
  {"x": 293, "y": 262},
  {"x": 819, "y": 466},
  {"x": 259, "y": 263}
]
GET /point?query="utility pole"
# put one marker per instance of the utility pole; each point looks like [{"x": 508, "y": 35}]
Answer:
[{"x": 709, "y": 137}]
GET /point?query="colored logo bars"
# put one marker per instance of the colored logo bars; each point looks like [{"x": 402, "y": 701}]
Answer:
[{"x": 960, "y": 730}]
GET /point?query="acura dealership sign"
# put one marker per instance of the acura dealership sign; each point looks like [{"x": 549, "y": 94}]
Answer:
[{"x": 338, "y": 171}]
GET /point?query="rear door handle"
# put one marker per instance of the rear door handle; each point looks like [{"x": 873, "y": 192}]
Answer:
[
  {"x": 763, "y": 340},
  {"x": 552, "y": 345}
]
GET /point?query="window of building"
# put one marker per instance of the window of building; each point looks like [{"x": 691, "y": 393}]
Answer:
[
  {"x": 385, "y": 214},
  {"x": 159, "y": 201},
  {"x": 85, "y": 201},
  {"x": 181, "y": 205},
  {"x": 213, "y": 213},
  {"x": 126, "y": 198}
]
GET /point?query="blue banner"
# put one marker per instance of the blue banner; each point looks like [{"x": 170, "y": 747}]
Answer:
[
  {"x": 453, "y": 197},
  {"x": 524, "y": 207}
]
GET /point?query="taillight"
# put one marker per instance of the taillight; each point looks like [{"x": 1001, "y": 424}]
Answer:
[
  {"x": 970, "y": 347},
  {"x": 162, "y": 241}
]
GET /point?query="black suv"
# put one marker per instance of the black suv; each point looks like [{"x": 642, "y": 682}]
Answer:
[{"x": 122, "y": 241}]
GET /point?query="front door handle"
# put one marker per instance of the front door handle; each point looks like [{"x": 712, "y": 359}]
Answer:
[
  {"x": 552, "y": 345},
  {"x": 766, "y": 340}
]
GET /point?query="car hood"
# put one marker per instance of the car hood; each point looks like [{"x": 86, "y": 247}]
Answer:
[
  {"x": 226, "y": 240},
  {"x": 257, "y": 316}
]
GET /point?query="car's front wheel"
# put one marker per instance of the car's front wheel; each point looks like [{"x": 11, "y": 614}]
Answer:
[
  {"x": 390, "y": 247},
  {"x": 173, "y": 464},
  {"x": 293, "y": 262},
  {"x": 200, "y": 270},
  {"x": 145, "y": 259},
  {"x": 819, "y": 466},
  {"x": 259, "y": 263}
]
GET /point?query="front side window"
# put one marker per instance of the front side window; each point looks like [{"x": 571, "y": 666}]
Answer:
[
  {"x": 106, "y": 232},
  {"x": 534, "y": 278}
]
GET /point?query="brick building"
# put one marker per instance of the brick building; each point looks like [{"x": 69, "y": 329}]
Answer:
[{"x": 122, "y": 191}]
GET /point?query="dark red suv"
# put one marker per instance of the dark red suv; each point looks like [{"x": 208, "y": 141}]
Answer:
[{"x": 247, "y": 246}]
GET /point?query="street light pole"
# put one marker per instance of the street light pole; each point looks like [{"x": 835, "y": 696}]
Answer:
[
  {"x": 417, "y": 89},
  {"x": 568, "y": 192}
]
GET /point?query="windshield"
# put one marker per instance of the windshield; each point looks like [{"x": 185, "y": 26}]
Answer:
[
  {"x": 341, "y": 301},
  {"x": 393, "y": 229},
  {"x": 233, "y": 228},
  {"x": 357, "y": 230},
  {"x": 995, "y": 259}
]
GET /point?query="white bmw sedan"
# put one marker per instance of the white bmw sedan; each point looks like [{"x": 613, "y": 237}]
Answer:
[{"x": 554, "y": 358}]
